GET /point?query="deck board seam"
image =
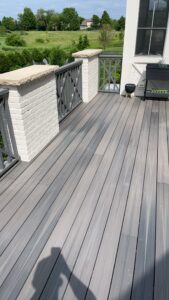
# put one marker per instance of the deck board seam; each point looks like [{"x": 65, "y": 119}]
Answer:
[
  {"x": 87, "y": 108},
  {"x": 48, "y": 188},
  {"x": 57, "y": 158}
]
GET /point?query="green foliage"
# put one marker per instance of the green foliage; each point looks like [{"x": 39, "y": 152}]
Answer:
[
  {"x": 54, "y": 22},
  {"x": 105, "y": 35},
  {"x": 105, "y": 19},
  {"x": 119, "y": 25},
  {"x": 2, "y": 30},
  {"x": 41, "y": 21},
  {"x": 121, "y": 35},
  {"x": 69, "y": 19},
  {"x": 4, "y": 63},
  {"x": 82, "y": 44},
  {"x": 85, "y": 41},
  {"x": 96, "y": 22},
  {"x": 57, "y": 56},
  {"x": 15, "y": 40},
  {"x": 39, "y": 41},
  {"x": 12, "y": 60},
  {"x": 27, "y": 19},
  {"x": 27, "y": 56},
  {"x": 9, "y": 23},
  {"x": 37, "y": 55}
]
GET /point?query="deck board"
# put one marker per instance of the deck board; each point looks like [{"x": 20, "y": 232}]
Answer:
[{"x": 88, "y": 218}]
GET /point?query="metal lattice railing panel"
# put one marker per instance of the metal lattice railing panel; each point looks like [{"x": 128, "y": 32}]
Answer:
[
  {"x": 69, "y": 88},
  {"x": 7, "y": 153},
  {"x": 110, "y": 73}
]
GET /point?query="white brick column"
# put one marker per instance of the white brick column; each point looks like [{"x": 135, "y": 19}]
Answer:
[
  {"x": 32, "y": 106},
  {"x": 90, "y": 72}
]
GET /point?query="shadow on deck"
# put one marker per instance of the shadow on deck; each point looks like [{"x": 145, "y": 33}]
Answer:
[{"x": 88, "y": 219}]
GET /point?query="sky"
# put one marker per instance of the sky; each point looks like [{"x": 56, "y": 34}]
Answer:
[{"x": 85, "y": 8}]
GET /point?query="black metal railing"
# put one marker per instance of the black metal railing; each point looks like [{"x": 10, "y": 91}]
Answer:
[
  {"x": 110, "y": 72},
  {"x": 69, "y": 88},
  {"x": 7, "y": 153}
]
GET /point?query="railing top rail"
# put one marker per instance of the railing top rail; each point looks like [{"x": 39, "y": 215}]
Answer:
[
  {"x": 69, "y": 66},
  {"x": 3, "y": 91},
  {"x": 109, "y": 55}
]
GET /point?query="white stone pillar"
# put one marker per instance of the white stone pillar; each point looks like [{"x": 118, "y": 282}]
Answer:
[
  {"x": 90, "y": 72},
  {"x": 32, "y": 106}
]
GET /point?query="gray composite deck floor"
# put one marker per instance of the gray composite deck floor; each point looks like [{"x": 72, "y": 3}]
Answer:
[{"x": 89, "y": 217}]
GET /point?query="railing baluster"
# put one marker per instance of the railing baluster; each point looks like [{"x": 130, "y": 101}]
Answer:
[
  {"x": 69, "y": 88},
  {"x": 7, "y": 153},
  {"x": 109, "y": 67}
]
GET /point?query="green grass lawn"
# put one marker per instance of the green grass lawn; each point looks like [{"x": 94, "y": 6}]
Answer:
[{"x": 64, "y": 39}]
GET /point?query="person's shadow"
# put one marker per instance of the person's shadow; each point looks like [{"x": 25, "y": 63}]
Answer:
[{"x": 44, "y": 270}]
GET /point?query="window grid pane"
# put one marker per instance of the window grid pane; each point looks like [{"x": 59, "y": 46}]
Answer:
[{"x": 153, "y": 19}]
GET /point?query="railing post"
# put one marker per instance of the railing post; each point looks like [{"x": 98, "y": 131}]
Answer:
[
  {"x": 32, "y": 106},
  {"x": 90, "y": 72}
]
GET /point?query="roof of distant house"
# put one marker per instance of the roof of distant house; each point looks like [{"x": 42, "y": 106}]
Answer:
[{"x": 84, "y": 23}]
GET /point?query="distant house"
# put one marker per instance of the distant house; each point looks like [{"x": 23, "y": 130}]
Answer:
[{"x": 86, "y": 24}]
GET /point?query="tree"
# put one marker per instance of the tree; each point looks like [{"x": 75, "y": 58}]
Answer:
[
  {"x": 120, "y": 24},
  {"x": 27, "y": 19},
  {"x": 105, "y": 35},
  {"x": 41, "y": 20},
  {"x": 95, "y": 22},
  {"x": 54, "y": 22},
  {"x": 105, "y": 19},
  {"x": 9, "y": 23},
  {"x": 70, "y": 19}
]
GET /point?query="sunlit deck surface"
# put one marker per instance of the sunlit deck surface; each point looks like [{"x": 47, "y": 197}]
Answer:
[{"x": 89, "y": 217}]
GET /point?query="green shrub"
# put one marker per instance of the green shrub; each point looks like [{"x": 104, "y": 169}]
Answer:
[
  {"x": 83, "y": 42},
  {"x": 46, "y": 53},
  {"x": 15, "y": 40},
  {"x": 86, "y": 41},
  {"x": 37, "y": 55},
  {"x": 39, "y": 41},
  {"x": 27, "y": 56},
  {"x": 4, "y": 63},
  {"x": 57, "y": 56}
]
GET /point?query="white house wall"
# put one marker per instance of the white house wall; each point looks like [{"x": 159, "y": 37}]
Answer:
[{"x": 134, "y": 66}]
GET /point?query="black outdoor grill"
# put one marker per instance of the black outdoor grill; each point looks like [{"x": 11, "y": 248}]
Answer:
[{"x": 157, "y": 72}]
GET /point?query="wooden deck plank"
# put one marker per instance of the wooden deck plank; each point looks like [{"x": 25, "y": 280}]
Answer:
[
  {"x": 124, "y": 267},
  {"x": 11, "y": 176},
  {"x": 65, "y": 223},
  {"x": 101, "y": 278},
  {"x": 163, "y": 162},
  {"x": 82, "y": 221},
  {"x": 143, "y": 282},
  {"x": 40, "y": 175},
  {"x": 37, "y": 214},
  {"x": 161, "y": 288},
  {"x": 59, "y": 145},
  {"x": 79, "y": 159},
  {"x": 75, "y": 239}
]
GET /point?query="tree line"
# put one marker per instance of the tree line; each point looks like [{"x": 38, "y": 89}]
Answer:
[{"x": 50, "y": 20}]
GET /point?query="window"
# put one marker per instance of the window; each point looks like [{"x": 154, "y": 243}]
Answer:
[{"x": 152, "y": 27}]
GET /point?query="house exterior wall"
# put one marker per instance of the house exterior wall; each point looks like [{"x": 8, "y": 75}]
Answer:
[{"x": 134, "y": 66}]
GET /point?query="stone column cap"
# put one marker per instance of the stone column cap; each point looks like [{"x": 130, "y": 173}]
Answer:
[
  {"x": 26, "y": 75},
  {"x": 87, "y": 53}
]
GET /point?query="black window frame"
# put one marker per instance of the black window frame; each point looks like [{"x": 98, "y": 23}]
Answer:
[{"x": 148, "y": 31}]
